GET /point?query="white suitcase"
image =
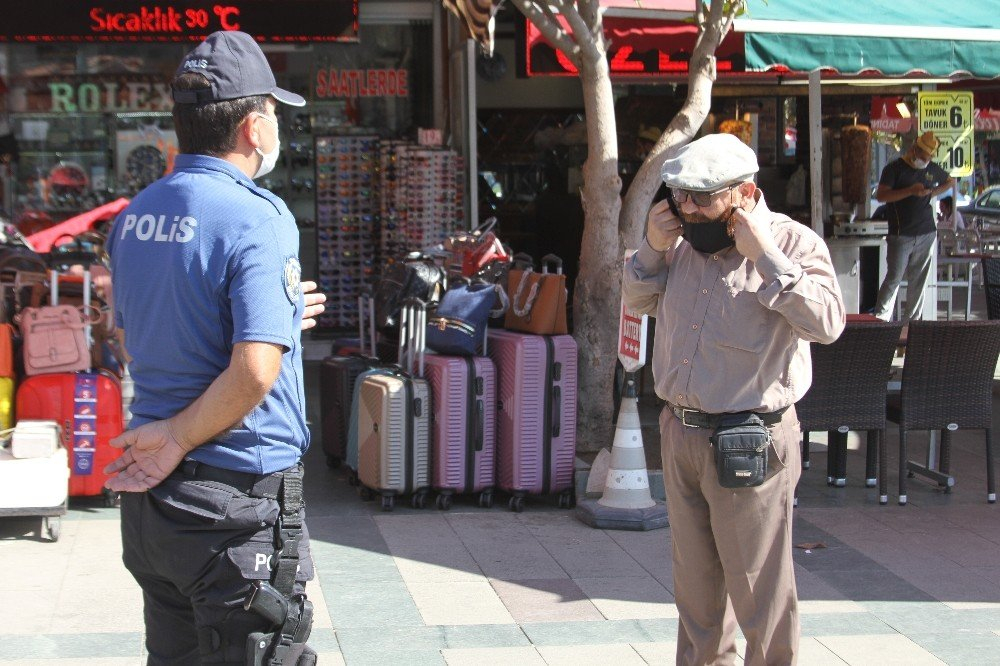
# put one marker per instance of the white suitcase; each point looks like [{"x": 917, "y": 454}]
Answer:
[{"x": 394, "y": 413}]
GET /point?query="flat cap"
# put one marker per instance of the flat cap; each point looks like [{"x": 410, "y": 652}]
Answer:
[{"x": 710, "y": 163}]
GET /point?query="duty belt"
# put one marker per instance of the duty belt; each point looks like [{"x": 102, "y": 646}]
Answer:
[
  {"x": 254, "y": 485},
  {"x": 693, "y": 418}
]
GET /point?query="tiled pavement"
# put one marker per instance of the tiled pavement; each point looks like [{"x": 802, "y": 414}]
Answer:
[{"x": 893, "y": 585}]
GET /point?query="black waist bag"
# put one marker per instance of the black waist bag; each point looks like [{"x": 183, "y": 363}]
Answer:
[{"x": 740, "y": 442}]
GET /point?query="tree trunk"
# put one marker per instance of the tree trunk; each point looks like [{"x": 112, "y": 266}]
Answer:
[{"x": 596, "y": 300}]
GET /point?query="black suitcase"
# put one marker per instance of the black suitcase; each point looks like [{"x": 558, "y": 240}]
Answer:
[
  {"x": 337, "y": 376},
  {"x": 336, "y": 384}
]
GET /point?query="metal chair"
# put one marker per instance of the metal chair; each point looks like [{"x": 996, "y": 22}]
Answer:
[
  {"x": 848, "y": 392},
  {"x": 947, "y": 385},
  {"x": 991, "y": 283}
]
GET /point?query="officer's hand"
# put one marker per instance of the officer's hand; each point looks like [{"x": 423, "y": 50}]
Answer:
[
  {"x": 752, "y": 235},
  {"x": 314, "y": 304},
  {"x": 918, "y": 190},
  {"x": 662, "y": 227},
  {"x": 151, "y": 454}
]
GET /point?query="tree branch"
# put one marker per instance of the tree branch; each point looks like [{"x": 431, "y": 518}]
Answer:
[
  {"x": 542, "y": 18},
  {"x": 591, "y": 13},
  {"x": 592, "y": 50}
]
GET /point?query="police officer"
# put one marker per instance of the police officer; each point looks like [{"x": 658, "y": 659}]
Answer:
[
  {"x": 207, "y": 291},
  {"x": 738, "y": 293}
]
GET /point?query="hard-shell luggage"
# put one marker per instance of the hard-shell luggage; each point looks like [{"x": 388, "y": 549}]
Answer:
[
  {"x": 337, "y": 378},
  {"x": 463, "y": 434},
  {"x": 394, "y": 410},
  {"x": 88, "y": 408},
  {"x": 536, "y": 414}
]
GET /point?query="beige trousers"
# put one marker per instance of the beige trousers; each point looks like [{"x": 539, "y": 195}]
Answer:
[{"x": 732, "y": 549}]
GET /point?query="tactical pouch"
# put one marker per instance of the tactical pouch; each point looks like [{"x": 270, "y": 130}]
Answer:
[{"x": 740, "y": 442}]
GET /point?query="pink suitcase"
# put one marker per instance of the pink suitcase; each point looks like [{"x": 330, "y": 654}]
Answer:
[
  {"x": 463, "y": 435},
  {"x": 536, "y": 414}
]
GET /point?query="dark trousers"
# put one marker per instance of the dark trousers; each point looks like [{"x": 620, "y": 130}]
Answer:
[{"x": 195, "y": 547}]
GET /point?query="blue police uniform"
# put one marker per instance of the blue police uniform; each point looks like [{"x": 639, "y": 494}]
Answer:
[{"x": 203, "y": 259}]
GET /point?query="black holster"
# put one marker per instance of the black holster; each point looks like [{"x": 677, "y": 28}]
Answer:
[
  {"x": 740, "y": 442},
  {"x": 290, "y": 613}
]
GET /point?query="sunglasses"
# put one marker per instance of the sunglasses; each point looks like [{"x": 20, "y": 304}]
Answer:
[{"x": 699, "y": 198}]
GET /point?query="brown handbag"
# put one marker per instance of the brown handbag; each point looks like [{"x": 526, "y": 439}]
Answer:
[{"x": 537, "y": 300}]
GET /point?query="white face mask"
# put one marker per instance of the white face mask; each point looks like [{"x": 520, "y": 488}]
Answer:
[
  {"x": 268, "y": 160},
  {"x": 920, "y": 164}
]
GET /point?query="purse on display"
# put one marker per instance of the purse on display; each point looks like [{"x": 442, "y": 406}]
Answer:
[
  {"x": 418, "y": 276},
  {"x": 537, "y": 300},
  {"x": 478, "y": 253},
  {"x": 458, "y": 325},
  {"x": 54, "y": 339}
]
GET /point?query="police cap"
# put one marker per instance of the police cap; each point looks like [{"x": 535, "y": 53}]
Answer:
[{"x": 235, "y": 67}]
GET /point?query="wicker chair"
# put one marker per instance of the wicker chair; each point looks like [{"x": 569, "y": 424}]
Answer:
[
  {"x": 947, "y": 384},
  {"x": 991, "y": 283},
  {"x": 848, "y": 392}
]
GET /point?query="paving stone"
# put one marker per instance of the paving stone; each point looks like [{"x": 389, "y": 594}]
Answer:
[
  {"x": 585, "y": 633},
  {"x": 364, "y": 603},
  {"x": 846, "y": 624},
  {"x": 815, "y": 653},
  {"x": 459, "y": 603},
  {"x": 504, "y": 548},
  {"x": 662, "y": 653},
  {"x": 511, "y": 656},
  {"x": 879, "y": 650},
  {"x": 591, "y": 655},
  {"x": 593, "y": 556},
  {"x": 626, "y": 598},
  {"x": 539, "y": 600},
  {"x": 90, "y": 646}
]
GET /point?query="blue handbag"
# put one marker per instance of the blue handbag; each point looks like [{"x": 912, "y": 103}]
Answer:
[{"x": 458, "y": 325}]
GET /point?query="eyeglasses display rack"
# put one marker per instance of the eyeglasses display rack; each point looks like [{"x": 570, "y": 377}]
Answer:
[
  {"x": 376, "y": 200},
  {"x": 346, "y": 222}
]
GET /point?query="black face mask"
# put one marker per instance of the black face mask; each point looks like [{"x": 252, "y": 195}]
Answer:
[{"x": 708, "y": 237}]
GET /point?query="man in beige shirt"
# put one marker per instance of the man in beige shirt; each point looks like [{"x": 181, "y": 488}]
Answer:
[{"x": 738, "y": 293}]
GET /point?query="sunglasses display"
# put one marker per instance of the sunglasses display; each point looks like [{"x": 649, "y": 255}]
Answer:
[{"x": 376, "y": 199}]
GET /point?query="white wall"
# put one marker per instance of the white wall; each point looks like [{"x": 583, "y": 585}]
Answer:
[{"x": 537, "y": 92}]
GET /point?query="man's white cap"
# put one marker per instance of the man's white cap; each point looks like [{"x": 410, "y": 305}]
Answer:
[{"x": 710, "y": 163}]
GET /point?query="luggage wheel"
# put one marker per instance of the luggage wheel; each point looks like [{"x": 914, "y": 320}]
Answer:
[
  {"x": 333, "y": 462},
  {"x": 419, "y": 500},
  {"x": 516, "y": 504},
  {"x": 566, "y": 500},
  {"x": 444, "y": 502},
  {"x": 486, "y": 499},
  {"x": 387, "y": 502},
  {"x": 352, "y": 478},
  {"x": 365, "y": 494},
  {"x": 51, "y": 528}
]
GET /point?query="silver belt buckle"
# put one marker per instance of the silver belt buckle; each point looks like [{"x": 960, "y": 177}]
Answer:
[{"x": 684, "y": 412}]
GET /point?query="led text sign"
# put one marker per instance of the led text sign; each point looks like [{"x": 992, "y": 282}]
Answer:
[
  {"x": 179, "y": 20},
  {"x": 639, "y": 49},
  {"x": 334, "y": 83}
]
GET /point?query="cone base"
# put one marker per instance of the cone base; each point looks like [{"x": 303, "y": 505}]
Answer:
[{"x": 601, "y": 517}]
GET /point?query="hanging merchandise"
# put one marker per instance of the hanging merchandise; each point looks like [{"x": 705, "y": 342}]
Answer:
[
  {"x": 421, "y": 202},
  {"x": 855, "y": 151},
  {"x": 346, "y": 206}
]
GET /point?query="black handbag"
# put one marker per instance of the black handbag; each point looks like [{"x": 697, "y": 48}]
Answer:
[
  {"x": 740, "y": 443},
  {"x": 417, "y": 276}
]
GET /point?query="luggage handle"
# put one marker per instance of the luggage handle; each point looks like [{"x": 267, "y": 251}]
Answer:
[
  {"x": 412, "y": 336},
  {"x": 554, "y": 261},
  {"x": 70, "y": 259},
  {"x": 522, "y": 260},
  {"x": 480, "y": 424},
  {"x": 366, "y": 304},
  {"x": 556, "y": 410}
]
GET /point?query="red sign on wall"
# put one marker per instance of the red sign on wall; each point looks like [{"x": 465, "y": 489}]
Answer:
[
  {"x": 639, "y": 48},
  {"x": 353, "y": 83}
]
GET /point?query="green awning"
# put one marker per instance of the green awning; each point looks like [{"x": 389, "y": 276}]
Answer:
[{"x": 888, "y": 36}]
